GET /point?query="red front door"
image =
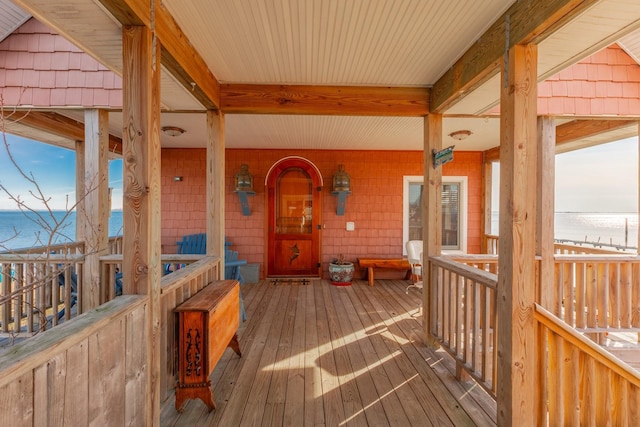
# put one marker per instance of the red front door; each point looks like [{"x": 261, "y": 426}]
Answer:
[{"x": 294, "y": 189}]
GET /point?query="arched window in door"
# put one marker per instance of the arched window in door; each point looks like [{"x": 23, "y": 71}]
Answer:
[{"x": 294, "y": 202}]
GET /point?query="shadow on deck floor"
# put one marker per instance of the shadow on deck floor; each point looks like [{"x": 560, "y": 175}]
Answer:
[{"x": 326, "y": 355}]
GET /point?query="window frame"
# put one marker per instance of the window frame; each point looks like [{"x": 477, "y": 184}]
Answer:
[{"x": 464, "y": 203}]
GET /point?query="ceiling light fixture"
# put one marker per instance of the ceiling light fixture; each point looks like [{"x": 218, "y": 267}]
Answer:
[
  {"x": 459, "y": 135},
  {"x": 172, "y": 130}
]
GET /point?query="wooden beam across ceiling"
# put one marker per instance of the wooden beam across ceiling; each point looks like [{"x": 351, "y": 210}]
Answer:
[
  {"x": 570, "y": 132},
  {"x": 324, "y": 100},
  {"x": 178, "y": 54},
  {"x": 580, "y": 129},
  {"x": 57, "y": 124},
  {"x": 526, "y": 21}
]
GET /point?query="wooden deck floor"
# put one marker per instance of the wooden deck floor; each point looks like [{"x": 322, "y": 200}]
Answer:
[
  {"x": 625, "y": 346},
  {"x": 320, "y": 355}
]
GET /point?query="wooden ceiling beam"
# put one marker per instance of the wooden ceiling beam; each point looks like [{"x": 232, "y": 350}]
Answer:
[
  {"x": 178, "y": 55},
  {"x": 526, "y": 21},
  {"x": 579, "y": 129},
  {"x": 57, "y": 124},
  {"x": 573, "y": 131},
  {"x": 324, "y": 100}
]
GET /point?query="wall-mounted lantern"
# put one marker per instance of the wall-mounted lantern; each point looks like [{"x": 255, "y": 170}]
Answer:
[
  {"x": 341, "y": 188},
  {"x": 244, "y": 188}
]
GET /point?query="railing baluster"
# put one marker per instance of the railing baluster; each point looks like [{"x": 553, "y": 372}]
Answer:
[
  {"x": 18, "y": 311},
  {"x": 468, "y": 321},
  {"x": 30, "y": 292},
  {"x": 602, "y": 295},
  {"x": 55, "y": 293},
  {"x": 493, "y": 318},
  {"x": 486, "y": 335},
  {"x": 635, "y": 296},
  {"x": 476, "y": 319},
  {"x": 612, "y": 282},
  {"x": 625, "y": 295},
  {"x": 5, "y": 307},
  {"x": 569, "y": 293}
]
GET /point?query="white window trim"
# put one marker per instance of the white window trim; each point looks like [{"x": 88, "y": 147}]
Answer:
[{"x": 463, "y": 181}]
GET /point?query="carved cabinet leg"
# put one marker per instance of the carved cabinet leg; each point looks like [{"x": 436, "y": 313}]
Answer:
[
  {"x": 235, "y": 344},
  {"x": 202, "y": 391}
]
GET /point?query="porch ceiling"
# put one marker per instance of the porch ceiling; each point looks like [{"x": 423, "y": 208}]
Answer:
[{"x": 409, "y": 43}]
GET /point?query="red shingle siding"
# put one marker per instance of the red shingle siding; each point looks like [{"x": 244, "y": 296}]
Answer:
[
  {"x": 602, "y": 84},
  {"x": 375, "y": 204},
  {"x": 39, "y": 66}
]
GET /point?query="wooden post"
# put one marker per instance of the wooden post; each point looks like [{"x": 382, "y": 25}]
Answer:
[
  {"x": 516, "y": 281},
  {"x": 431, "y": 217},
  {"x": 215, "y": 186},
  {"x": 94, "y": 216},
  {"x": 141, "y": 204},
  {"x": 79, "y": 189},
  {"x": 487, "y": 209},
  {"x": 548, "y": 294}
]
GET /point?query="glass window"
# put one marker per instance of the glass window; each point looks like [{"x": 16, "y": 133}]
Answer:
[
  {"x": 294, "y": 193},
  {"x": 454, "y": 207}
]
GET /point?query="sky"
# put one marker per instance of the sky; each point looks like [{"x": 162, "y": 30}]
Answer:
[
  {"x": 54, "y": 171},
  {"x": 603, "y": 178},
  {"x": 597, "y": 179}
]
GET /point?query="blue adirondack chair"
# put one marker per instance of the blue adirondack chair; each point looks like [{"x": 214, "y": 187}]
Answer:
[
  {"x": 232, "y": 271},
  {"x": 197, "y": 244},
  {"x": 193, "y": 244}
]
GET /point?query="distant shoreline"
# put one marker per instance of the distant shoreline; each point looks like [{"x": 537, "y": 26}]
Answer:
[
  {"x": 493, "y": 212},
  {"x": 589, "y": 212},
  {"x": 52, "y": 210}
]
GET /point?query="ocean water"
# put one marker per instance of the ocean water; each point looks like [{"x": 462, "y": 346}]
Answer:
[
  {"x": 578, "y": 226},
  {"x": 23, "y": 230},
  {"x": 608, "y": 228}
]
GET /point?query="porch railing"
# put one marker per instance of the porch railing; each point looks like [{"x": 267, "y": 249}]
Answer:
[
  {"x": 463, "y": 317},
  {"x": 596, "y": 291},
  {"x": 51, "y": 377},
  {"x": 599, "y": 293},
  {"x": 566, "y": 249},
  {"x": 487, "y": 263},
  {"x": 41, "y": 287},
  {"x": 115, "y": 245},
  {"x": 90, "y": 370},
  {"x": 581, "y": 383},
  {"x": 111, "y": 265},
  {"x": 39, "y": 290},
  {"x": 58, "y": 248},
  {"x": 491, "y": 243}
]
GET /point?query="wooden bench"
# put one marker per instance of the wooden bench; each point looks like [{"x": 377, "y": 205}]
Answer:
[{"x": 384, "y": 263}]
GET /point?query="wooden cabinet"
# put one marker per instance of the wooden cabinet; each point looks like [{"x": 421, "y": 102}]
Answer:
[{"x": 207, "y": 325}]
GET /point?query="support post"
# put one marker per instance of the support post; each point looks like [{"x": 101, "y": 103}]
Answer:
[
  {"x": 94, "y": 217},
  {"x": 516, "y": 282},
  {"x": 548, "y": 294},
  {"x": 79, "y": 189},
  {"x": 431, "y": 218},
  {"x": 141, "y": 203},
  {"x": 215, "y": 186},
  {"x": 487, "y": 209}
]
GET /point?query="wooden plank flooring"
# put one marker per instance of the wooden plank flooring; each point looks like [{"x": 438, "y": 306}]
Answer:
[
  {"x": 321, "y": 355},
  {"x": 625, "y": 346}
]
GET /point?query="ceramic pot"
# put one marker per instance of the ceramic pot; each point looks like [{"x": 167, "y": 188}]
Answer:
[{"x": 341, "y": 274}]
